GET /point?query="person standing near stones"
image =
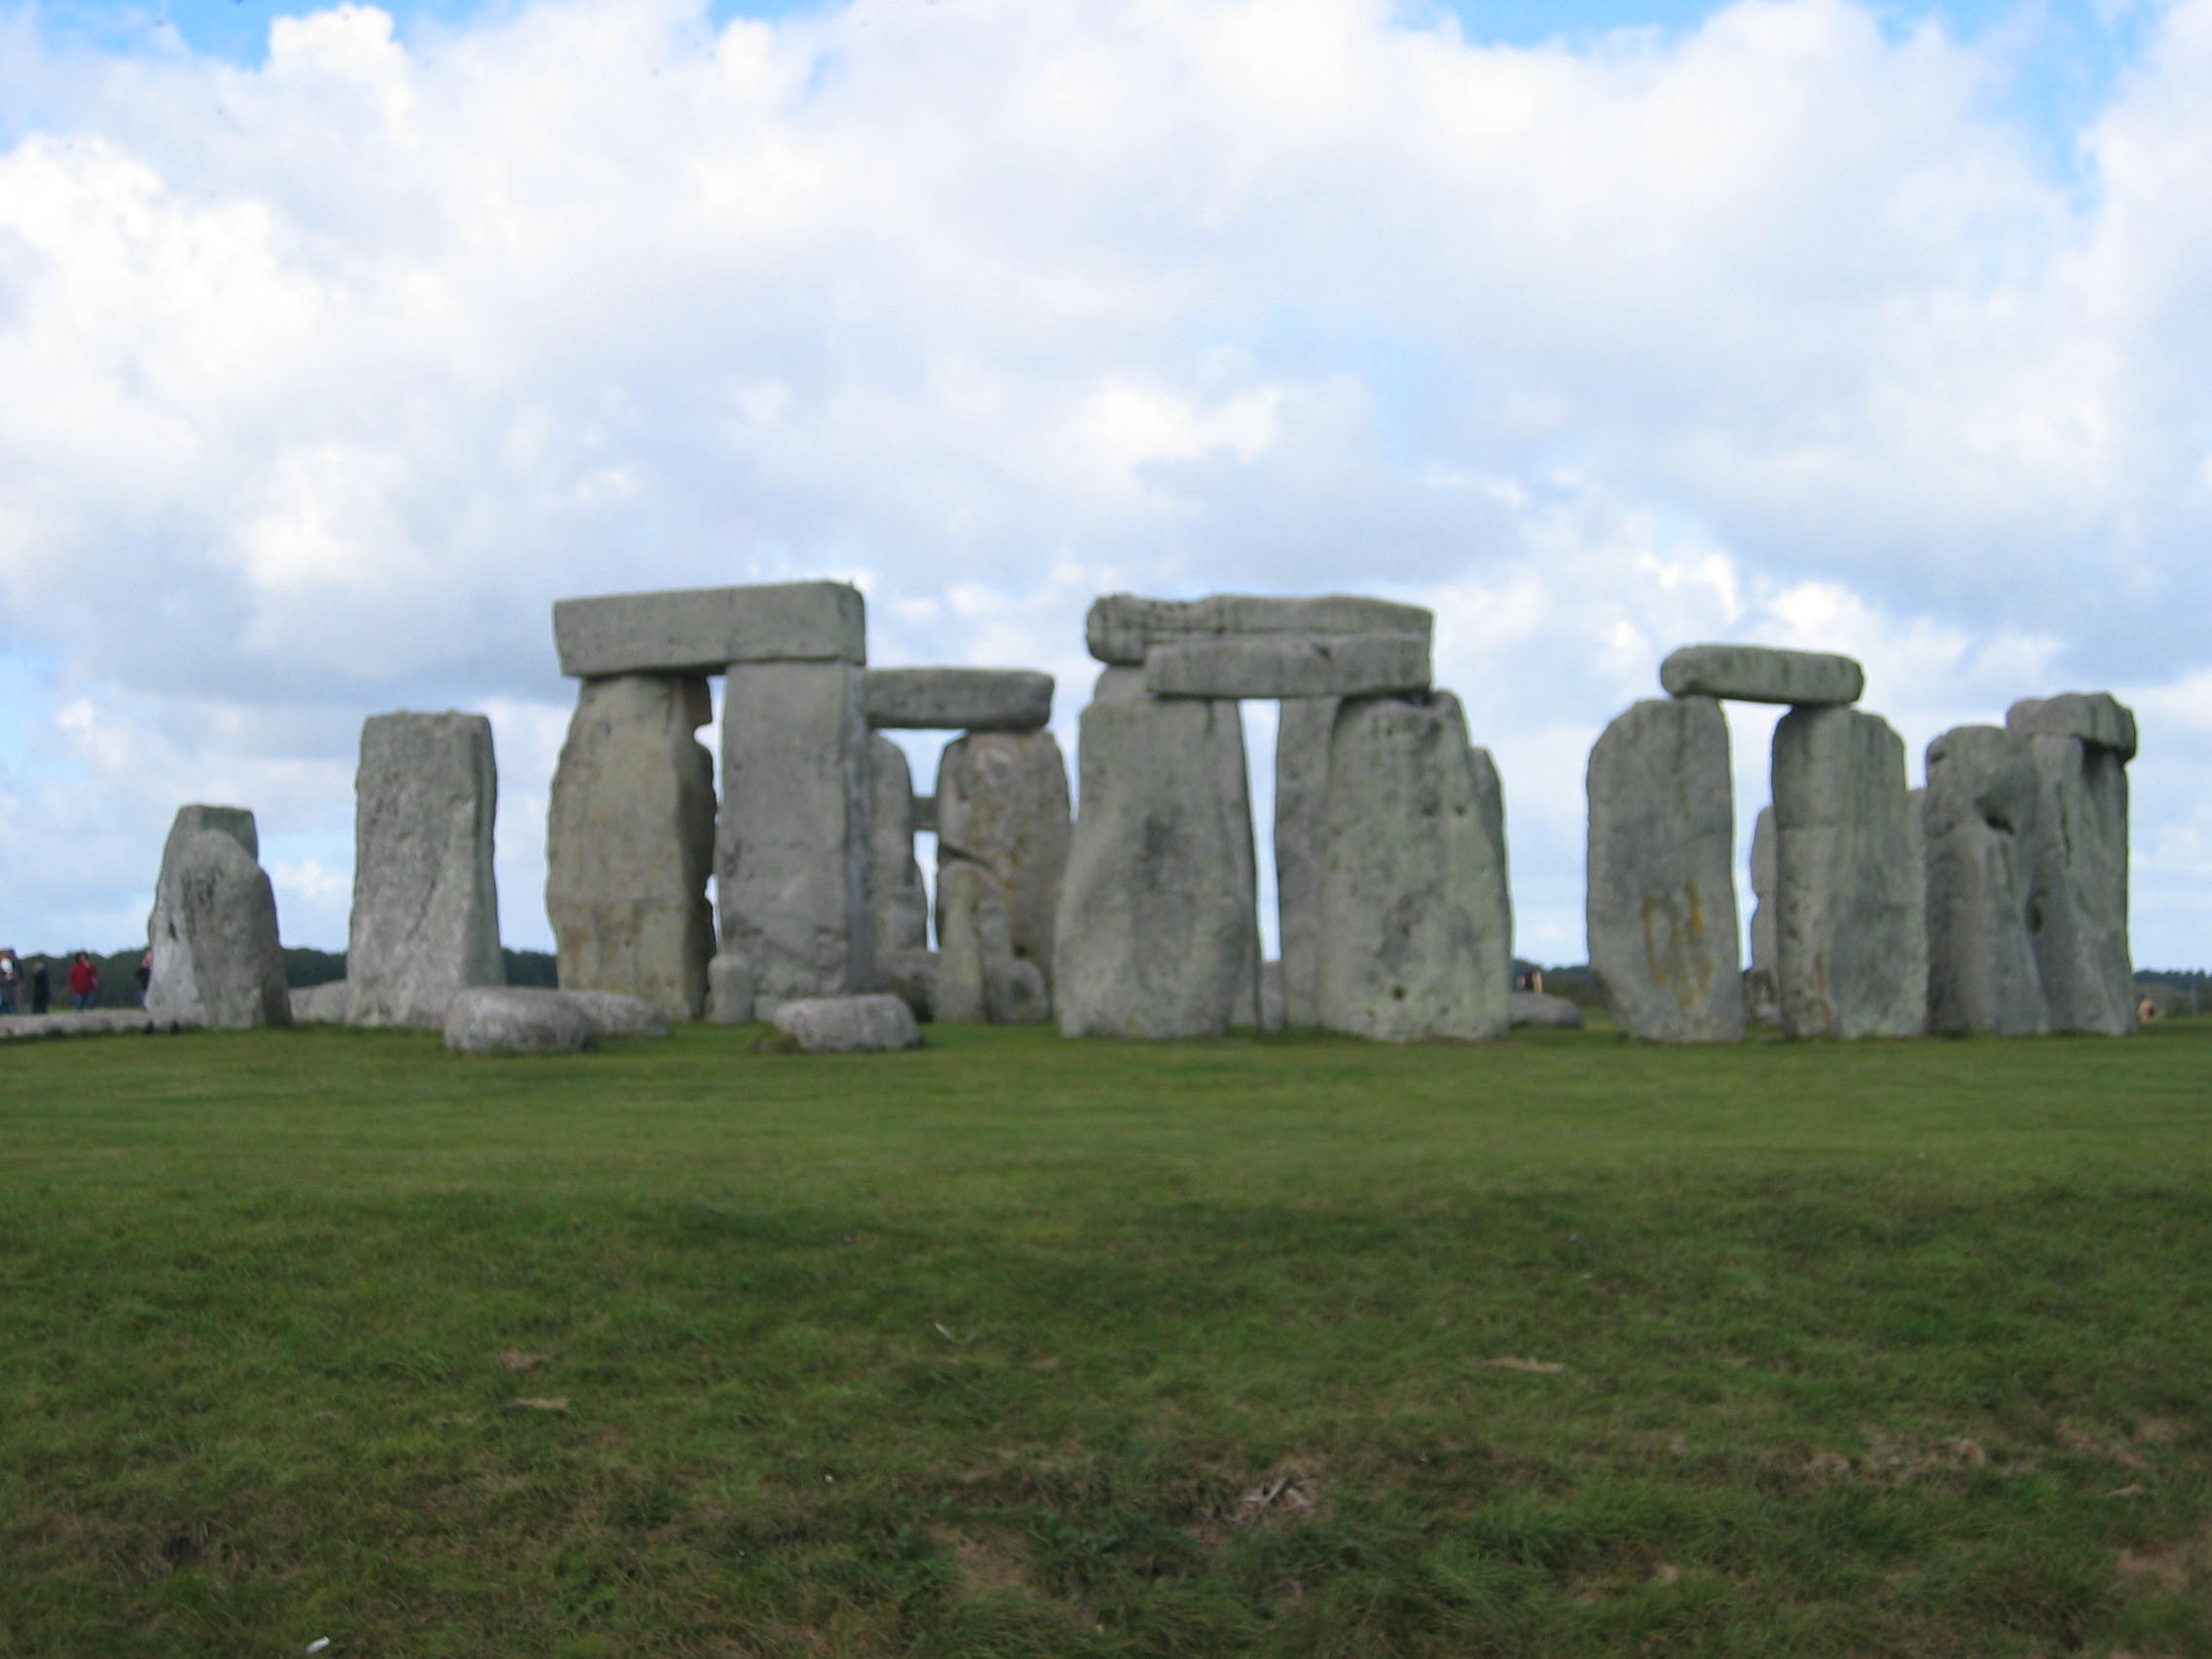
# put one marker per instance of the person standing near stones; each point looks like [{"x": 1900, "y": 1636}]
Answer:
[
  {"x": 11, "y": 980},
  {"x": 84, "y": 983},
  {"x": 41, "y": 987},
  {"x": 145, "y": 974}
]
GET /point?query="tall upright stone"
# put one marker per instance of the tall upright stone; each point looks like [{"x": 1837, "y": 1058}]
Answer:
[
  {"x": 901, "y": 904},
  {"x": 217, "y": 960},
  {"x": 630, "y": 842},
  {"x": 1415, "y": 938},
  {"x": 1662, "y": 893},
  {"x": 1002, "y": 806},
  {"x": 793, "y": 845},
  {"x": 980, "y": 980},
  {"x": 1157, "y": 932},
  {"x": 1851, "y": 935},
  {"x": 1762, "y": 982},
  {"x": 425, "y": 907},
  {"x": 1978, "y": 824},
  {"x": 1301, "y": 774},
  {"x": 2081, "y": 744}
]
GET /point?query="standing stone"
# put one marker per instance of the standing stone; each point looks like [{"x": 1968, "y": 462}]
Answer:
[
  {"x": 1979, "y": 825},
  {"x": 1415, "y": 938},
  {"x": 1301, "y": 774},
  {"x": 1002, "y": 806},
  {"x": 1157, "y": 932},
  {"x": 425, "y": 908},
  {"x": 2080, "y": 910},
  {"x": 630, "y": 842},
  {"x": 791, "y": 849},
  {"x": 1851, "y": 919},
  {"x": 901, "y": 907},
  {"x": 1762, "y": 983},
  {"x": 213, "y": 928},
  {"x": 729, "y": 990},
  {"x": 1662, "y": 888},
  {"x": 980, "y": 979}
]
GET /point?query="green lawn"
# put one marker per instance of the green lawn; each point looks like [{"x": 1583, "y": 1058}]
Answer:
[{"x": 1295, "y": 1345}]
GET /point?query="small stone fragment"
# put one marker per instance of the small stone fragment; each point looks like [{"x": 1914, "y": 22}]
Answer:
[
  {"x": 1122, "y": 627},
  {"x": 515, "y": 1019},
  {"x": 840, "y": 1025},
  {"x": 704, "y": 630},
  {"x": 958, "y": 699},
  {"x": 1289, "y": 665},
  {"x": 1762, "y": 673}
]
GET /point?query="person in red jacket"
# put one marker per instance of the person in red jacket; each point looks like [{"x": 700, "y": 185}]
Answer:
[{"x": 84, "y": 983}]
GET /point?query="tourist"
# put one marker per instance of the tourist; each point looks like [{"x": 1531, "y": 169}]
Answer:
[
  {"x": 41, "y": 987},
  {"x": 11, "y": 980},
  {"x": 84, "y": 983},
  {"x": 145, "y": 974}
]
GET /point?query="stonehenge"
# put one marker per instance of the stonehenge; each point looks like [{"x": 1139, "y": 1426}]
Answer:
[
  {"x": 1002, "y": 828},
  {"x": 213, "y": 927},
  {"x": 2081, "y": 744},
  {"x": 1977, "y": 821}
]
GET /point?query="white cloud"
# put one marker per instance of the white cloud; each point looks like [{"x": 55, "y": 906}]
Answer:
[{"x": 342, "y": 368}]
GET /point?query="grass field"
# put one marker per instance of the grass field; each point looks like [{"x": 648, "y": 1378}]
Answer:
[{"x": 1290, "y": 1345}]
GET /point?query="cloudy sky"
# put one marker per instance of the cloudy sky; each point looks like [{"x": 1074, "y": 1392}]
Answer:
[{"x": 336, "y": 344}]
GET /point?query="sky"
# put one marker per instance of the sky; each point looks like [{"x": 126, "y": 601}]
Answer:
[{"x": 337, "y": 342}]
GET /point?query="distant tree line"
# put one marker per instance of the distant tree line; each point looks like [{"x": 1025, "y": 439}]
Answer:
[{"x": 302, "y": 966}]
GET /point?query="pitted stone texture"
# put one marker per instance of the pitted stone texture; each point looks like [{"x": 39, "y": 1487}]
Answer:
[
  {"x": 1535, "y": 1007},
  {"x": 845, "y": 1025},
  {"x": 1289, "y": 665},
  {"x": 1662, "y": 891},
  {"x": 1850, "y": 923},
  {"x": 1002, "y": 805},
  {"x": 793, "y": 845},
  {"x": 213, "y": 928},
  {"x": 1416, "y": 937},
  {"x": 958, "y": 699},
  {"x": 901, "y": 905},
  {"x": 515, "y": 1019},
  {"x": 2097, "y": 719},
  {"x": 2081, "y": 893},
  {"x": 1157, "y": 933},
  {"x": 630, "y": 842},
  {"x": 328, "y": 1004},
  {"x": 729, "y": 991},
  {"x": 426, "y": 907},
  {"x": 1762, "y": 673},
  {"x": 1122, "y": 627},
  {"x": 1301, "y": 774},
  {"x": 704, "y": 630},
  {"x": 1762, "y": 980},
  {"x": 1977, "y": 820},
  {"x": 612, "y": 1014}
]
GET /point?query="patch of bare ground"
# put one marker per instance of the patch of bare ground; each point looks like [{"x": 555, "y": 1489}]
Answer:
[
  {"x": 983, "y": 1565},
  {"x": 2170, "y": 1567}
]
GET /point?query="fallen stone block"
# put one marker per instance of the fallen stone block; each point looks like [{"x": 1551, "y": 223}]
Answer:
[
  {"x": 1289, "y": 665},
  {"x": 330, "y": 1004},
  {"x": 1762, "y": 673},
  {"x": 217, "y": 959},
  {"x": 845, "y": 1025},
  {"x": 515, "y": 1019},
  {"x": 704, "y": 630},
  {"x": 2097, "y": 719},
  {"x": 614, "y": 1015},
  {"x": 958, "y": 699},
  {"x": 1536, "y": 1008},
  {"x": 1978, "y": 820},
  {"x": 1122, "y": 627}
]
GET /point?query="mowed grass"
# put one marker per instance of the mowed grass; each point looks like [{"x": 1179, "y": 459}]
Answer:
[{"x": 1015, "y": 1346}]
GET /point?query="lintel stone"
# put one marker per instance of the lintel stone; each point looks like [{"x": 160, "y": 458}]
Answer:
[
  {"x": 1122, "y": 627},
  {"x": 704, "y": 630},
  {"x": 1289, "y": 665},
  {"x": 1762, "y": 674},
  {"x": 2097, "y": 718},
  {"x": 957, "y": 699}
]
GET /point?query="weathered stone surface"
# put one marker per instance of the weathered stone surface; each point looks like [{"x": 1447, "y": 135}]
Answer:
[
  {"x": 729, "y": 991},
  {"x": 911, "y": 977},
  {"x": 1662, "y": 894},
  {"x": 1762, "y": 673},
  {"x": 793, "y": 845},
  {"x": 1762, "y": 979},
  {"x": 1157, "y": 932},
  {"x": 980, "y": 979},
  {"x": 1002, "y": 805},
  {"x": 1851, "y": 918},
  {"x": 1122, "y": 627},
  {"x": 1271, "y": 996},
  {"x": 1301, "y": 774},
  {"x": 1535, "y": 1007},
  {"x": 2081, "y": 886},
  {"x": 111, "y": 1022},
  {"x": 1490, "y": 816},
  {"x": 1289, "y": 665},
  {"x": 2097, "y": 718},
  {"x": 843, "y": 1025},
  {"x": 425, "y": 908},
  {"x": 958, "y": 699},
  {"x": 901, "y": 904},
  {"x": 924, "y": 815},
  {"x": 614, "y": 1015},
  {"x": 630, "y": 842},
  {"x": 1415, "y": 938},
  {"x": 704, "y": 630},
  {"x": 328, "y": 1004},
  {"x": 515, "y": 1019},
  {"x": 213, "y": 928},
  {"x": 1978, "y": 819}
]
